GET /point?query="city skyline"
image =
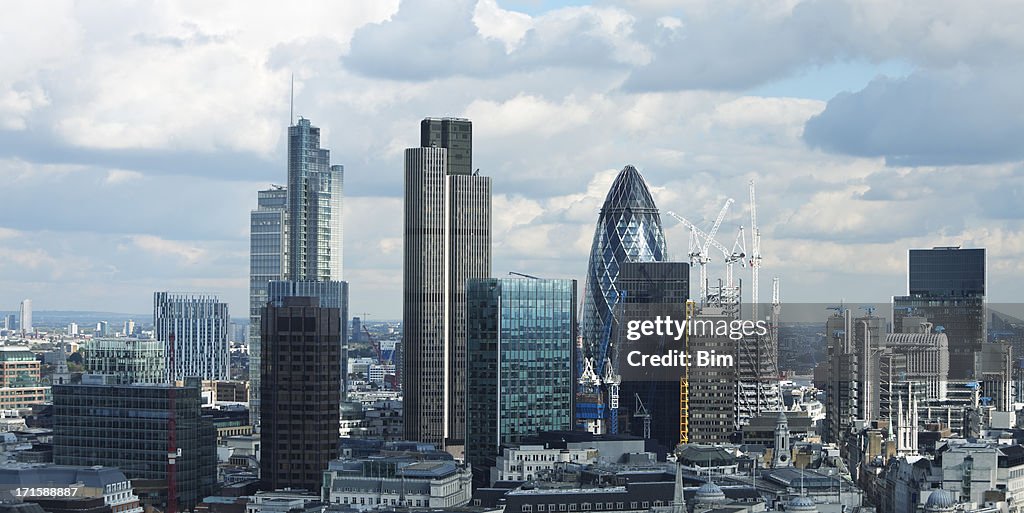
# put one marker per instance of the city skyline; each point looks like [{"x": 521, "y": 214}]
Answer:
[{"x": 553, "y": 125}]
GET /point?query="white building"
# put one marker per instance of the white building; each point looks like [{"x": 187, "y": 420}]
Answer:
[
  {"x": 378, "y": 482},
  {"x": 526, "y": 462},
  {"x": 26, "y": 316}
]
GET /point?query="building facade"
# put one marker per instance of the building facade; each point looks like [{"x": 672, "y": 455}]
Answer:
[
  {"x": 521, "y": 334},
  {"x": 20, "y": 386},
  {"x": 106, "y": 482},
  {"x": 447, "y": 235},
  {"x": 199, "y": 323},
  {"x": 376, "y": 483},
  {"x": 268, "y": 241},
  {"x": 301, "y": 371},
  {"x": 127, "y": 360},
  {"x": 946, "y": 286},
  {"x": 125, "y": 426}
]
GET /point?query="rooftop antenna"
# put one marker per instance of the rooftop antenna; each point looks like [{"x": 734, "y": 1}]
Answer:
[{"x": 291, "y": 104}]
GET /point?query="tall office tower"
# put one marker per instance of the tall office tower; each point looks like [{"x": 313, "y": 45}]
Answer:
[
  {"x": 10, "y": 322},
  {"x": 521, "y": 334},
  {"x": 199, "y": 323},
  {"x": 102, "y": 329},
  {"x": 125, "y": 360},
  {"x": 330, "y": 294},
  {"x": 854, "y": 373},
  {"x": 25, "y": 320},
  {"x": 947, "y": 287},
  {"x": 653, "y": 288},
  {"x": 315, "y": 207},
  {"x": 125, "y": 426},
  {"x": 628, "y": 230},
  {"x": 267, "y": 262},
  {"x": 301, "y": 392},
  {"x": 840, "y": 378},
  {"x": 447, "y": 232}
]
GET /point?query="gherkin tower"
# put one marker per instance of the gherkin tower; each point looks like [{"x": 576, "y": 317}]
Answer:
[{"x": 628, "y": 230}]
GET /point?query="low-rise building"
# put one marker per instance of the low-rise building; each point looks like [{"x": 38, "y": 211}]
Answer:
[
  {"x": 106, "y": 482},
  {"x": 20, "y": 386},
  {"x": 398, "y": 479}
]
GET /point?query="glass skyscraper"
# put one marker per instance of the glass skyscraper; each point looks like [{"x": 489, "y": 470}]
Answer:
[
  {"x": 297, "y": 235},
  {"x": 315, "y": 207},
  {"x": 447, "y": 235},
  {"x": 267, "y": 244},
  {"x": 946, "y": 285},
  {"x": 520, "y": 339},
  {"x": 628, "y": 230}
]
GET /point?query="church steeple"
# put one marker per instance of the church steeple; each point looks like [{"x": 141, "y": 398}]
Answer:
[{"x": 781, "y": 455}]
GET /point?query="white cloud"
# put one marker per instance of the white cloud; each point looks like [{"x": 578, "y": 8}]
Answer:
[
  {"x": 509, "y": 27},
  {"x": 156, "y": 246}
]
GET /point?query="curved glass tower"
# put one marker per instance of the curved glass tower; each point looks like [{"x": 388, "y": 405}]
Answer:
[{"x": 628, "y": 230}]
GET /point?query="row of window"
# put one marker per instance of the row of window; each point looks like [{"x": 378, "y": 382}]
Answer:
[{"x": 586, "y": 506}]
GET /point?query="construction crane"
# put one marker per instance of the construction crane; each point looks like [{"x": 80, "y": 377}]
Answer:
[
  {"x": 755, "y": 253},
  {"x": 700, "y": 244},
  {"x": 172, "y": 431},
  {"x": 642, "y": 413},
  {"x": 684, "y": 382},
  {"x": 530, "y": 276},
  {"x": 607, "y": 371}
]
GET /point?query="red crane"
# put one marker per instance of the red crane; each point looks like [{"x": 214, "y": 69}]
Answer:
[{"x": 172, "y": 432}]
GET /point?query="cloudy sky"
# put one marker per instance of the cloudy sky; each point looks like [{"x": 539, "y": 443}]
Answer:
[{"x": 134, "y": 136}]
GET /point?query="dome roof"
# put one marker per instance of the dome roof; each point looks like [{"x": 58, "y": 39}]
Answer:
[
  {"x": 940, "y": 499},
  {"x": 802, "y": 504},
  {"x": 710, "y": 492}
]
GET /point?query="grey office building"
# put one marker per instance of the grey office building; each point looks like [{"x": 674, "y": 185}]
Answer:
[
  {"x": 125, "y": 426},
  {"x": 267, "y": 244},
  {"x": 199, "y": 323},
  {"x": 301, "y": 392},
  {"x": 946, "y": 285},
  {"x": 521, "y": 334},
  {"x": 447, "y": 233}
]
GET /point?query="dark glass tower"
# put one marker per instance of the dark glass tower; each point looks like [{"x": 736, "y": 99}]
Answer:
[
  {"x": 628, "y": 230},
  {"x": 301, "y": 392},
  {"x": 946, "y": 285},
  {"x": 521, "y": 334},
  {"x": 125, "y": 426},
  {"x": 654, "y": 288},
  {"x": 453, "y": 134}
]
